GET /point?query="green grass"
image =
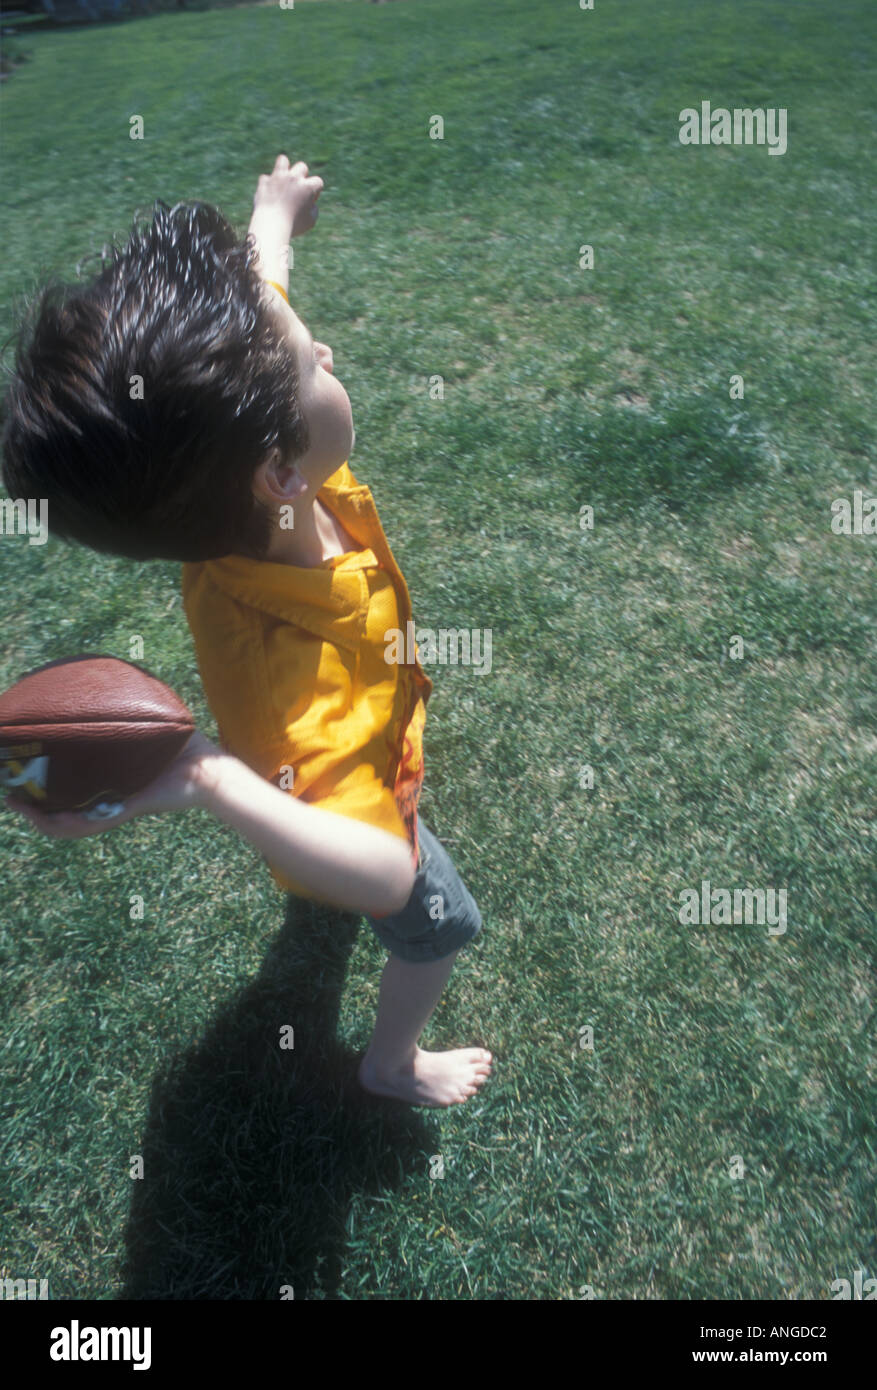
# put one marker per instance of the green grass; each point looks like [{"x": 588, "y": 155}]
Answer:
[{"x": 563, "y": 387}]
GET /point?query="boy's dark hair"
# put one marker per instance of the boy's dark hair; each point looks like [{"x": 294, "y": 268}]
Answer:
[{"x": 168, "y": 476}]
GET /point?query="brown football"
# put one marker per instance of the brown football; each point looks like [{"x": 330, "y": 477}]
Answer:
[{"x": 88, "y": 730}]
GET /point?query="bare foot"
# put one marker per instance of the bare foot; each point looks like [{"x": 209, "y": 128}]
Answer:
[{"x": 432, "y": 1078}]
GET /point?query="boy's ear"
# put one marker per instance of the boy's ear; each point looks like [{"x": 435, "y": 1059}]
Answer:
[
  {"x": 264, "y": 478},
  {"x": 277, "y": 481}
]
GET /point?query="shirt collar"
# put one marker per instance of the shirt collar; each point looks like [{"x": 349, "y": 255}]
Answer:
[{"x": 326, "y": 602}]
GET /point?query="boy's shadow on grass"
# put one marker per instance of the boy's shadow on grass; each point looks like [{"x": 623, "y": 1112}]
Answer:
[{"x": 251, "y": 1152}]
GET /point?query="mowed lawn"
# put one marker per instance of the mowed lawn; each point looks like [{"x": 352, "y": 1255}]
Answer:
[{"x": 714, "y": 1137}]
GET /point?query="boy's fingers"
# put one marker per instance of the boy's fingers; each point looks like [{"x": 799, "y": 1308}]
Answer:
[
  {"x": 281, "y": 162},
  {"x": 57, "y": 824},
  {"x": 64, "y": 825}
]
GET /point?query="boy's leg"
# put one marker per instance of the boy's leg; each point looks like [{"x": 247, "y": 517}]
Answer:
[
  {"x": 424, "y": 940},
  {"x": 394, "y": 1065}
]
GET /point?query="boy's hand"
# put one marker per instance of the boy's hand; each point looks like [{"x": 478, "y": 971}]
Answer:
[
  {"x": 287, "y": 199},
  {"x": 185, "y": 783},
  {"x": 342, "y": 861}
]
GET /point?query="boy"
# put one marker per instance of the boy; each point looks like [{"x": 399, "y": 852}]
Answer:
[{"x": 178, "y": 408}]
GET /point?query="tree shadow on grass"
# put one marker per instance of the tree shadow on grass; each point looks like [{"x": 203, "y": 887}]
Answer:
[
  {"x": 252, "y": 1152},
  {"x": 682, "y": 452}
]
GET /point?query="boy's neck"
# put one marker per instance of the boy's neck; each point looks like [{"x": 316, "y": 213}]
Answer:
[{"x": 316, "y": 536}]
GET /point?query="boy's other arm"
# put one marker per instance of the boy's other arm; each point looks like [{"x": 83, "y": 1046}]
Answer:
[
  {"x": 342, "y": 861},
  {"x": 339, "y": 860}
]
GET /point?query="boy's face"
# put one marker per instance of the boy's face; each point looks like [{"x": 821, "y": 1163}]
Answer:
[{"x": 323, "y": 401}]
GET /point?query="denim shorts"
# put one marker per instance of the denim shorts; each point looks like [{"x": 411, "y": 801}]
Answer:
[{"x": 440, "y": 916}]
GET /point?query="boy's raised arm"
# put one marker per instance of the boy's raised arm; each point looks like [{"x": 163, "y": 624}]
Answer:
[{"x": 284, "y": 206}]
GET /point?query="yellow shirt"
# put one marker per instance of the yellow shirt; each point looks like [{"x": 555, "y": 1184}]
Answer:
[{"x": 292, "y": 663}]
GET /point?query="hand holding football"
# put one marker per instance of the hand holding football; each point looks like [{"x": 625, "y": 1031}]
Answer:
[{"x": 88, "y": 730}]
